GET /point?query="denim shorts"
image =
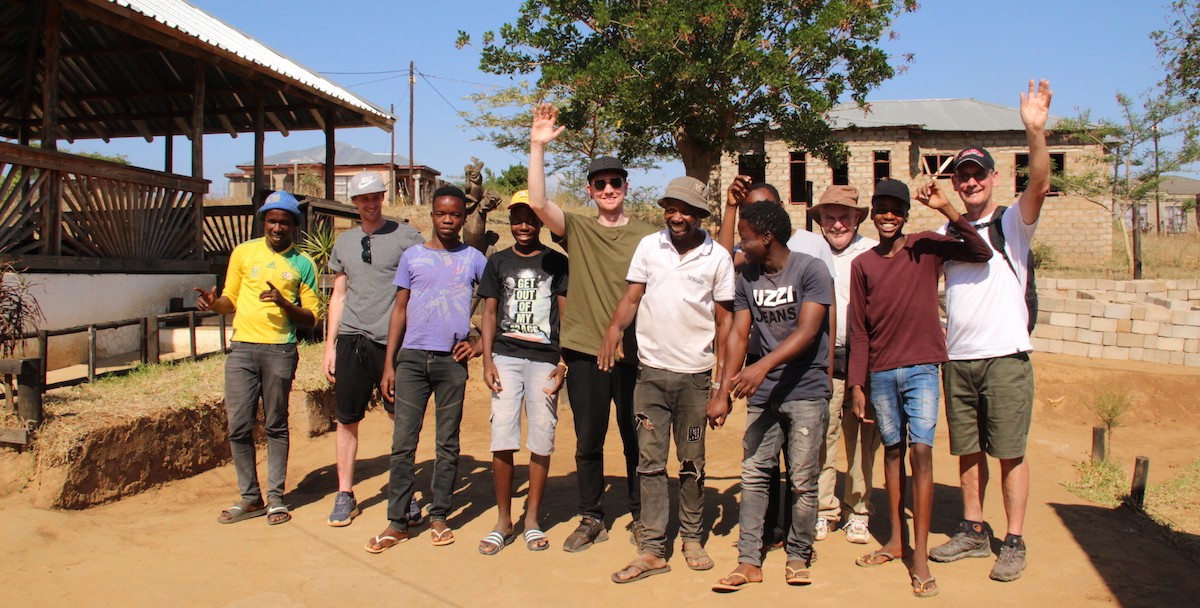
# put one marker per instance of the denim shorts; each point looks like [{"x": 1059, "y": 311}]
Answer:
[
  {"x": 906, "y": 397},
  {"x": 523, "y": 383}
]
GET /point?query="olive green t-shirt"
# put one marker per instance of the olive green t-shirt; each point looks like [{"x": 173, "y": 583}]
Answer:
[{"x": 598, "y": 262}]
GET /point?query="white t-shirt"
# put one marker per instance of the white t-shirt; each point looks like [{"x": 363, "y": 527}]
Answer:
[
  {"x": 676, "y": 321},
  {"x": 985, "y": 302},
  {"x": 841, "y": 280},
  {"x": 813, "y": 244}
]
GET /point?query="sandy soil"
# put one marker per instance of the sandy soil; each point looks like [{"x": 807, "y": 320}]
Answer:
[{"x": 163, "y": 547}]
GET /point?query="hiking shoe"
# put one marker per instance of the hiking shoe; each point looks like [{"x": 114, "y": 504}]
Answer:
[
  {"x": 345, "y": 509},
  {"x": 971, "y": 540},
  {"x": 857, "y": 531},
  {"x": 1010, "y": 564},
  {"x": 589, "y": 532},
  {"x": 822, "y": 529}
]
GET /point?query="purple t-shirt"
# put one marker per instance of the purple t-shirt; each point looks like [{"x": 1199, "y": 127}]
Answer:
[{"x": 441, "y": 283}]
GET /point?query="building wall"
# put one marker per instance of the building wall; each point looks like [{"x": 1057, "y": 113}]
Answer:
[
  {"x": 70, "y": 300},
  {"x": 1077, "y": 230}
]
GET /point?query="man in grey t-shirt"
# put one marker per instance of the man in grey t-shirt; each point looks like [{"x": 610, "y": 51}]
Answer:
[{"x": 364, "y": 259}]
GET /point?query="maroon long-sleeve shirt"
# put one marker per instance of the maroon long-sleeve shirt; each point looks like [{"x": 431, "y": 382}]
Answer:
[{"x": 893, "y": 301}]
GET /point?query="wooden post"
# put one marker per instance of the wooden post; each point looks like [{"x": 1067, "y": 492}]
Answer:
[
  {"x": 51, "y": 237},
  {"x": 224, "y": 345},
  {"x": 30, "y": 386},
  {"x": 169, "y": 153},
  {"x": 330, "y": 152},
  {"x": 150, "y": 340},
  {"x": 1141, "y": 472},
  {"x": 91, "y": 370},
  {"x": 198, "y": 157},
  {"x": 1099, "y": 444},
  {"x": 259, "y": 143},
  {"x": 192, "y": 333},
  {"x": 43, "y": 338}
]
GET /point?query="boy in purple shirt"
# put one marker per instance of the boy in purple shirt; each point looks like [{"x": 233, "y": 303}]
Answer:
[
  {"x": 427, "y": 343},
  {"x": 896, "y": 336}
]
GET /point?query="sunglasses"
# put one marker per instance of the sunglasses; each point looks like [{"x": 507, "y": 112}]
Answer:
[
  {"x": 978, "y": 176},
  {"x": 366, "y": 245},
  {"x": 615, "y": 182}
]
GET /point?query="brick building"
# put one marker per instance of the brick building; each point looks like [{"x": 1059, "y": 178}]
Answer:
[{"x": 913, "y": 140}]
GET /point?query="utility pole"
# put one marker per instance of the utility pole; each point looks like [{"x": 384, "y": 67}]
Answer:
[
  {"x": 412, "y": 163},
  {"x": 1157, "y": 177},
  {"x": 392, "y": 161}
]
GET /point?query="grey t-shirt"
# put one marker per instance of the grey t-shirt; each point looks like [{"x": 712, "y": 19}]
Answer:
[
  {"x": 369, "y": 289},
  {"x": 774, "y": 303}
]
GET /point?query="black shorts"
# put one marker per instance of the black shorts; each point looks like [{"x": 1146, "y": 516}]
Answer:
[{"x": 358, "y": 369}]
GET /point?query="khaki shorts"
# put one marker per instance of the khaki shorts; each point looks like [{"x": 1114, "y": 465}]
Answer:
[{"x": 989, "y": 405}]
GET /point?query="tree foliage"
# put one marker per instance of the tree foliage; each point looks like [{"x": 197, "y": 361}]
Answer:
[
  {"x": 690, "y": 76},
  {"x": 1179, "y": 49},
  {"x": 503, "y": 116}
]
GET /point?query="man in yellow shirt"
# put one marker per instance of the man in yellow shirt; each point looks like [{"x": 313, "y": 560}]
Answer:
[{"x": 271, "y": 289}]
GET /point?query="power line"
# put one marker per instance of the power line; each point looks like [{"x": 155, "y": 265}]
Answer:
[
  {"x": 366, "y": 73},
  {"x": 460, "y": 113}
]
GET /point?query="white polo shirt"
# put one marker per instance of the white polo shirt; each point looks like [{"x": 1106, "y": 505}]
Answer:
[
  {"x": 676, "y": 321},
  {"x": 841, "y": 279}
]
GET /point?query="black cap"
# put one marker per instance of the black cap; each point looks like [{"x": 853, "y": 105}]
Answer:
[
  {"x": 893, "y": 188},
  {"x": 606, "y": 163},
  {"x": 974, "y": 154}
]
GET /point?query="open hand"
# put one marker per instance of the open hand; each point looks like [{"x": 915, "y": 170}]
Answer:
[
  {"x": 543, "y": 130},
  {"x": 1035, "y": 105}
]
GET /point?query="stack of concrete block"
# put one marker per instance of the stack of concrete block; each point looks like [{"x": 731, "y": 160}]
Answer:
[{"x": 1157, "y": 321}]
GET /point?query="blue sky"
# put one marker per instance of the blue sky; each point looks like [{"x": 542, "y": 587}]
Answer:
[{"x": 987, "y": 51}]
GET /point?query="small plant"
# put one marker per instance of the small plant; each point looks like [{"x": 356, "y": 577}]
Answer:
[
  {"x": 1109, "y": 405},
  {"x": 1100, "y": 482},
  {"x": 19, "y": 310},
  {"x": 1043, "y": 256},
  {"x": 318, "y": 245}
]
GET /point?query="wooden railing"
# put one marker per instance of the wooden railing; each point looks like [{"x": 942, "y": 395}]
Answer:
[{"x": 58, "y": 209}]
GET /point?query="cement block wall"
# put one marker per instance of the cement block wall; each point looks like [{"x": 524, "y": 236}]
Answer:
[{"x": 1157, "y": 321}]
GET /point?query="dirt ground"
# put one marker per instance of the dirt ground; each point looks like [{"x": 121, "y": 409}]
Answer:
[{"x": 163, "y": 546}]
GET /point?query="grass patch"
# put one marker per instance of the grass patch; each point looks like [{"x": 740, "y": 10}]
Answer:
[
  {"x": 71, "y": 413},
  {"x": 1163, "y": 257},
  {"x": 1100, "y": 482},
  {"x": 1176, "y": 502}
]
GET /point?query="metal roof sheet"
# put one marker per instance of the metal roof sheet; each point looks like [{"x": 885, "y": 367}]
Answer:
[
  {"x": 930, "y": 115},
  {"x": 198, "y": 24}
]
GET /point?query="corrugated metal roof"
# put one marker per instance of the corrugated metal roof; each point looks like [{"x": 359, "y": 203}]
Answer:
[
  {"x": 346, "y": 154},
  {"x": 1179, "y": 185},
  {"x": 200, "y": 25},
  {"x": 930, "y": 115}
]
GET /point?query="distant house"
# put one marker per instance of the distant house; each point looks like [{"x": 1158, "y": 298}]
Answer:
[
  {"x": 1180, "y": 197},
  {"x": 285, "y": 169},
  {"x": 912, "y": 141}
]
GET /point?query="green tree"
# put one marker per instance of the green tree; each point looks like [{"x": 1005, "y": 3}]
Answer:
[
  {"x": 1179, "y": 48},
  {"x": 511, "y": 179},
  {"x": 503, "y": 116},
  {"x": 691, "y": 76}
]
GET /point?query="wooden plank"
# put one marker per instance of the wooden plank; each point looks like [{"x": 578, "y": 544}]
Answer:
[
  {"x": 330, "y": 151},
  {"x": 80, "y": 165},
  {"x": 43, "y": 263},
  {"x": 1099, "y": 444},
  {"x": 15, "y": 436},
  {"x": 51, "y": 61},
  {"x": 1141, "y": 474},
  {"x": 196, "y": 203}
]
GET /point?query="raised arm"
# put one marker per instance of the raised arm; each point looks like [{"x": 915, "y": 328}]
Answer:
[
  {"x": 1035, "y": 109},
  {"x": 541, "y": 133},
  {"x": 729, "y": 216}
]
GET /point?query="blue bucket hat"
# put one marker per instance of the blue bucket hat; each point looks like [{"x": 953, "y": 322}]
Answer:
[{"x": 280, "y": 199}]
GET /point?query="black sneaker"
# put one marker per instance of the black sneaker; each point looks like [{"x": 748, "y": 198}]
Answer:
[
  {"x": 972, "y": 540},
  {"x": 589, "y": 532}
]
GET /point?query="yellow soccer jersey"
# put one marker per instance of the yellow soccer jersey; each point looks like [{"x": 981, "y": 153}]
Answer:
[{"x": 251, "y": 266}]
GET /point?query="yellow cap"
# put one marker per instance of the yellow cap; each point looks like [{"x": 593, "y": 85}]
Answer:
[{"x": 520, "y": 196}]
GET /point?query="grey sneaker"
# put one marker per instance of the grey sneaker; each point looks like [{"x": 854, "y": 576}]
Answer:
[
  {"x": 345, "y": 509},
  {"x": 1010, "y": 564},
  {"x": 589, "y": 532},
  {"x": 972, "y": 540}
]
